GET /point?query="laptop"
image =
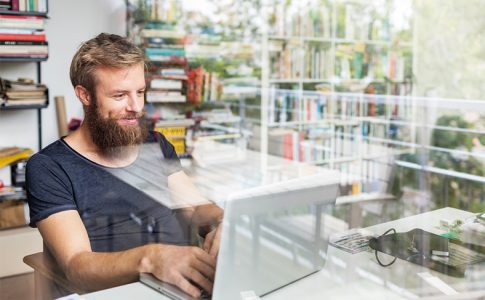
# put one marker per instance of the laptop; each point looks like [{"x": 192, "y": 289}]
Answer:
[{"x": 271, "y": 237}]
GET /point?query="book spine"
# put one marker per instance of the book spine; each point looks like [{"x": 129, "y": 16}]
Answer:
[
  {"x": 20, "y": 18},
  {"x": 22, "y": 5},
  {"x": 23, "y": 43},
  {"x": 22, "y": 37},
  {"x": 165, "y": 52},
  {"x": 15, "y": 5}
]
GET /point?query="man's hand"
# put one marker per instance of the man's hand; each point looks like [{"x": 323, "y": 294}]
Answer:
[
  {"x": 212, "y": 241},
  {"x": 182, "y": 266}
]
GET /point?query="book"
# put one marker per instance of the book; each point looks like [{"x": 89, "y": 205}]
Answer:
[
  {"x": 164, "y": 52},
  {"x": 23, "y": 43},
  {"x": 177, "y": 123},
  {"x": 5, "y": 5},
  {"x": 7, "y": 151},
  {"x": 17, "y": 21},
  {"x": 168, "y": 75},
  {"x": 162, "y": 96},
  {"x": 171, "y": 132},
  {"x": 173, "y": 73},
  {"x": 178, "y": 144},
  {"x": 23, "y": 36},
  {"x": 164, "y": 41},
  {"x": 21, "y": 84},
  {"x": 10, "y": 155},
  {"x": 194, "y": 84},
  {"x": 15, "y": 5},
  {"x": 24, "y": 49},
  {"x": 158, "y": 83},
  {"x": 24, "y": 94},
  {"x": 27, "y": 101},
  {"x": 162, "y": 33},
  {"x": 25, "y": 56}
]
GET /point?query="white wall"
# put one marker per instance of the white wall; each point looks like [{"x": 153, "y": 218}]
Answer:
[{"x": 70, "y": 23}]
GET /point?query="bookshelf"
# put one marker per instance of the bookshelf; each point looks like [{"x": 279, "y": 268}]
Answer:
[
  {"x": 22, "y": 26},
  {"x": 23, "y": 40},
  {"x": 330, "y": 43},
  {"x": 189, "y": 59},
  {"x": 324, "y": 66}
]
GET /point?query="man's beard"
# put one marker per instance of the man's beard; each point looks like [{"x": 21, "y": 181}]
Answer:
[{"x": 110, "y": 137}]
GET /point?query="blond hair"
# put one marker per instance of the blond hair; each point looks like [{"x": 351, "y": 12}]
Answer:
[{"x": 104, "y": 50}]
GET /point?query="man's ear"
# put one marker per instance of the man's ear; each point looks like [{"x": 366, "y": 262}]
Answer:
[{"x": 83, "y": 95}]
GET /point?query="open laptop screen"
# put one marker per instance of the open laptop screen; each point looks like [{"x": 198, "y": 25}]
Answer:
[{"x": 273, "y": 236}]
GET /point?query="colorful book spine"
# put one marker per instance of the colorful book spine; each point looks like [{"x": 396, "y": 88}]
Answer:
[
  {"x": 164, "y": 52},
  {"x": 14, "y": 5}
]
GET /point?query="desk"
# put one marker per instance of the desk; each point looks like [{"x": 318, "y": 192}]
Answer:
[
  {"x": 357, "y": 276},
  {"x": 346, "y": 275}
]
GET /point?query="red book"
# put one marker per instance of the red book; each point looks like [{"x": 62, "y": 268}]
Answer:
[
  {"x": 288, "y": 146},
  {"x": 190, "y": 85},
  {"x": 194, "y": 85},
  {"x": 22, "y": 37},
  {"x": 20, "y": 17},
  {"x": 308, "y": 110}
]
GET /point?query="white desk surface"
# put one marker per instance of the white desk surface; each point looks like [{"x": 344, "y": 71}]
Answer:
[{"x": 345, "y": 276}]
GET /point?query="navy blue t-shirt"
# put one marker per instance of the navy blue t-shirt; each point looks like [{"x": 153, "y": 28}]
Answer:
[{"x": 121, "y": 208}]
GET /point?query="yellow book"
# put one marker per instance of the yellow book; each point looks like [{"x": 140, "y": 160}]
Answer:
[
  {"x": 13, "y": 154},
  {"x": 170, "y": 132},
  {"x": 178, "y": 144}
]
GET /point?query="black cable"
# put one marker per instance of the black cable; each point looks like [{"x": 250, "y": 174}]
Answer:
[{"x": 377, "y": 257}]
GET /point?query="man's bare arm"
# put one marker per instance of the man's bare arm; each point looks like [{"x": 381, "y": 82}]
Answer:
[
  {"x": 199, "y": 210},
  {"x": 67, "y": 239}
]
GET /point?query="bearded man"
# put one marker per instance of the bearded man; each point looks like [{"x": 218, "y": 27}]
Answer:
[{"x": 91, "y": 193}]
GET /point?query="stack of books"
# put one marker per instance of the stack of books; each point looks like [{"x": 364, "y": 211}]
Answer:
[
  {"x": 22, "y": 37},
  {"x": 165, "y": 49},
  {"x": 22, "y": 92},
  {"x": 167, "y": 85},
  {"x": 38, "y": 6},
  {"x": 10, "y": 155},
  {"x": 175, "y": 131}
]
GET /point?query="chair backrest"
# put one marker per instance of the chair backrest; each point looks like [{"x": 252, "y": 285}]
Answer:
[{"x": 50, "y": 280}]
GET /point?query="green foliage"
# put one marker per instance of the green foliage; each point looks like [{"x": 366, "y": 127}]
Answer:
[
  {"x": 447, "y": 190},
  {"x": 450, "y": 139}
]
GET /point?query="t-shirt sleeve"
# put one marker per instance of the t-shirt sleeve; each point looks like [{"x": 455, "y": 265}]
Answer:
[
  {"x": 48, "y": 188},
  {"x": 171, "y": 159}
]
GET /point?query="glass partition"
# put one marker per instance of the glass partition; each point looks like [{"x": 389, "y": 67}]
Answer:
[{"x": 287, "y": 150}]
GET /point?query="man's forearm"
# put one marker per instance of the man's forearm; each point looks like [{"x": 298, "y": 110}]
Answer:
[
  {"x": 91, "y": 271},
  {"x": 186, "y": 267}
]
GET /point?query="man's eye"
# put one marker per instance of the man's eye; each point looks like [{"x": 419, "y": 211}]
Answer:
[
  {"x": 140, "y": 93},
  {"x": 118, "y": 96}
]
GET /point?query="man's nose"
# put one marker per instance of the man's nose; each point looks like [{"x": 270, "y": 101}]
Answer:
[{"x": 134, "y": 104}]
